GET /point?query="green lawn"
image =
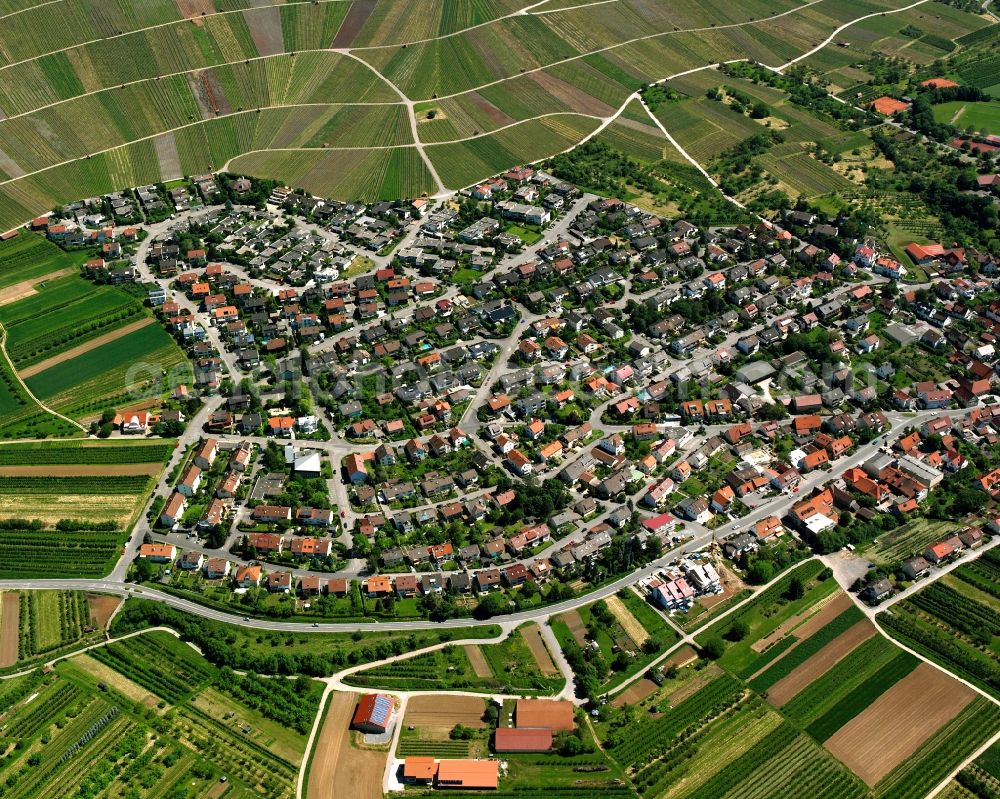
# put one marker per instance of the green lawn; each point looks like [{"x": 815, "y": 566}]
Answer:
[
  {"x": 982, "y": 117},
  {"x": 29, "y": 255}
]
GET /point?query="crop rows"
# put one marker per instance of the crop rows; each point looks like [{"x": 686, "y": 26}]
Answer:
[
  {"x": 415, "y": 746},
  {"x": 807, "y": 648},
  {"x": 159, "y": 663},
  {"x": 38, "y": 554},
  {"x": 645, "y": 739},
  {"x": 862, "y": 696},
  {"x": 940, "y": 644},
  {"x": 95, "y": 485},
  {"x": 767, "y": 656},
  {"x": 959, "y": 611},
  {"x": 845, "y": 675},
  {"x": 41, "y": 712},
  {"x": 940, "y": 754},
  {"x": 982, "y": 72},
  {"x": 51, "y": 454}
]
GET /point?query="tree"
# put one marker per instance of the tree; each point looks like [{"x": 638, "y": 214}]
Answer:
[
  {"x": 760, "y": 572},
  {"x": 796, "y": 590},
  {"x": 714, "y": 648},
  {"x": 737, "y": 631}
]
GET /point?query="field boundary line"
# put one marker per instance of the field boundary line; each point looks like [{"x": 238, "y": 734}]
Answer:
[
  {"x": 87, "y": 346},
  {"x": 968, "y": 761},
  {"x": 38, "y": 402}
]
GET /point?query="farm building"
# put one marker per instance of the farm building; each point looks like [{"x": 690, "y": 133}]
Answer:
[
  {"x": 551, "y": 714},
  {"x": 372, "y": 714},
  {"x": 419, "y": 770},
  {"x": 522, "y": 740},
  {"x": 473, "y": 774}
]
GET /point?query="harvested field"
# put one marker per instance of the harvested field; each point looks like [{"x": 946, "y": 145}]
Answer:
[
  {"x": 808, "y": 621},
  {"x": 478, "y": 661},
  {"x": 80, "y": 470},
  {"x": 635, "y": 693},
  {"x": 337, "y": 768},
  {"x": 18, "y": 291},
  {"x": 265, "y": 29},
  {"x": 820, "y": 663},
  {"x": 87, "y": 346},
  {"x": 102, "y": 606},
  {"x": 353, "y": 23},
  {"x": 894, "y": 726},
  {"x": 109, "y": 676},
  {"x": 630, "y": 624},
  {"x": 533, "y": 636},
  {"x": 576, "y": 626},
  {"x": 437, "y": 714},
  {"x": 195, "y": 8},
  {"x": 168, "y": 157},
  {"x": 9, "y": 627}
]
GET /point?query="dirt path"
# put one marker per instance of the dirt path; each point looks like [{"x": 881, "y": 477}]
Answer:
[
  {"x": 896, "y": 724},
  {"x": 18, "y": 291},
  {"x": 820, "y": 663},
  {"x": 533, "y": 636},
  {"x": 956, "y": 115},
  {"x": 87, "y": 346},
  {"x": 80, "y": 470},
  {"x": 478, "y": 661},
  {"x": 24, "y": 386},
  {"x": 338, "y": 769},
  {"x": 10, "y": 623}
]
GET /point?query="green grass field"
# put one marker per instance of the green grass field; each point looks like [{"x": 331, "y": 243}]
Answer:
[{"x": 981, "y": 117}]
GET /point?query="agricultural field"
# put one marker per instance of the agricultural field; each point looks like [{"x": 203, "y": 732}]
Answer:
[
  {"x": 433, "y": 717},
  {"x": 109, "y": 100},
  {"x": 98, "y": 720},
  {"x": 909, "y": 539},
  {"x": 62, "y": 315},
  {"x": 27, "y": 260},
  {"x": 507, "y": 667},
  {"x": 336, "y": 767},
  {"x": 144, "y": 362},
  {"x": 953, "y": 621}
]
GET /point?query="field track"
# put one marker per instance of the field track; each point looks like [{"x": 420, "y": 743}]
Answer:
[
  {"x": 87, "y": 346},
  {"x": 81, "y": 470},
  {"x": 894, "y": 726},
  {"x": 9, "y": 627}
]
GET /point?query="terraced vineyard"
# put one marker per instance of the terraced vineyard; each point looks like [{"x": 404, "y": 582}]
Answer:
[{"x": 94, "y": 99}]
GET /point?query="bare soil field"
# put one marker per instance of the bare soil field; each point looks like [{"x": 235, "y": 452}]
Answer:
[
  {"x": 807, "y": 622},
  {"x": 353, "y": 23},
  {"x": 111, "y": 677},
  {"x": 337, "y": 768},
  {"x": 478, "y": 661},
  {"x": 635, "y": 693},
  {"x": 576, "y": 626},
  {"x": 195, "y": 8},
  {"x": 10, "y": 623},
  {"x": 630, "y": 624},
  {"x": 18, "y": 291},
  {"x": 533, "y": 636},
  {"x": 575, "y": 98},
  {"x": 436, "y": 714},
  {"x": 494, "y": 113},
  {"x": 820, "y": 663},
  {"x": 265, "y": 29},
  {"x": 102, "y": 606},
  {"x": 87, "y": 346},
  {"x": 894, "y": 726},
  {"x": 80, "y": 470}
]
